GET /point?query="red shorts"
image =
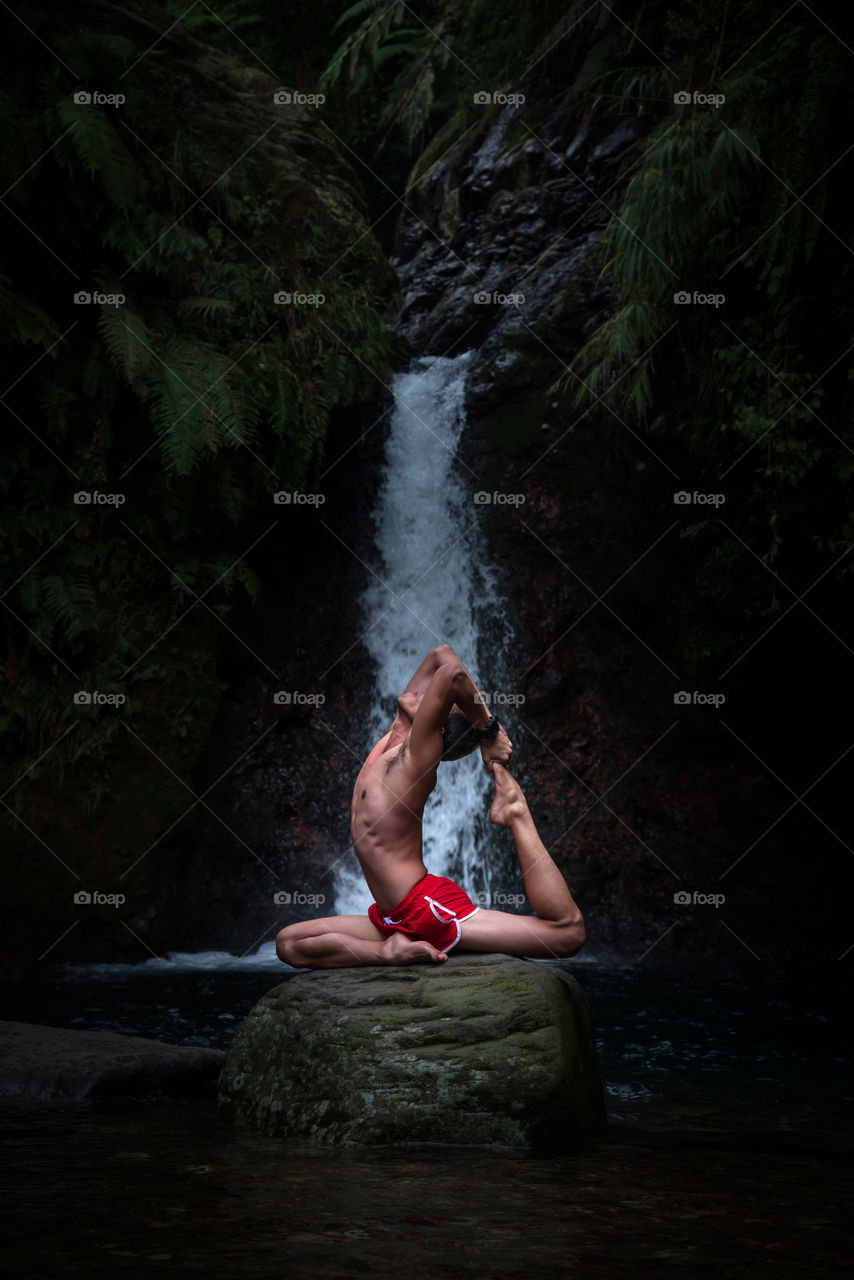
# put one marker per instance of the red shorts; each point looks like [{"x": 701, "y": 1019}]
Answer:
[{"x": 432, "y": 911}]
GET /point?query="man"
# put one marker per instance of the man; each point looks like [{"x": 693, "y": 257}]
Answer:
[{"x": 418, "y": 917}]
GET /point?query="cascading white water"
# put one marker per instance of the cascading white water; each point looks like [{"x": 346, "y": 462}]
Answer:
[{"x": 433, "y": 585}]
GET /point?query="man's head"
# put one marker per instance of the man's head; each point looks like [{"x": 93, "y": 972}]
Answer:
[{"x": 459, "y": 736}]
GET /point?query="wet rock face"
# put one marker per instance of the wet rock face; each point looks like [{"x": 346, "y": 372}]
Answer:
[
  {"x": 484, "y": 1049},
  {"x": 511, "y": 212}
]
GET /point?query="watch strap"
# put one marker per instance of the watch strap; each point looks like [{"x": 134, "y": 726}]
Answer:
[{"x": 491, "y": 728}]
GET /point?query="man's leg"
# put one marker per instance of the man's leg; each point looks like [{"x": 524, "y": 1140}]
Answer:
[
  {"x": 557, "y": 930},
  {"x": 340, "y": 942}
]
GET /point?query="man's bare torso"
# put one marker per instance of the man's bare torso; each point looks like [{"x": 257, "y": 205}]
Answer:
[{"x": 385, "y": 822}]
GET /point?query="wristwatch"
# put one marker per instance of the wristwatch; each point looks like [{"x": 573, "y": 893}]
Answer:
[{"x": 490, "y": 729}]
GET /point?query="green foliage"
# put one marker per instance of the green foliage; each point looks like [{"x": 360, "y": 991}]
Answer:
[
  {"x": 407, "y": 68},
  {"x": 380, "y": 45},
  {"x": 192, "y": 396},
  {"x": 91, "y": 140},
  {"x": 749, "y": 201}
]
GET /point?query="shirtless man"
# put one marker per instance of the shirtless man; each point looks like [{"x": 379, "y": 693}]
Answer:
[{"x": 418, "y": 917}]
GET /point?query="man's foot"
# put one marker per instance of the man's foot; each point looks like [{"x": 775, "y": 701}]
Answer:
[
  {"x": 398, "y": 949},
  {"x": 509, "y": 802}
]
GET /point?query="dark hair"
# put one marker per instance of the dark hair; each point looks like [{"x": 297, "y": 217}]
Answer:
[{"x": 460, "y": 737}]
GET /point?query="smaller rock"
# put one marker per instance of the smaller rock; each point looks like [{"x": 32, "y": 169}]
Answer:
[{"x": 54, "y": 1065}]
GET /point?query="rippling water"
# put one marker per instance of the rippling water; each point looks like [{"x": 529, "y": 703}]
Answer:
[{"x": 729, "y": 1148}]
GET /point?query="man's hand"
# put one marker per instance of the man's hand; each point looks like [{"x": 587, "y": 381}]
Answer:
[{"x": 499, "y": 748}]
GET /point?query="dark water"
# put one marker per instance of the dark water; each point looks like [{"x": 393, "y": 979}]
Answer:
[{"x": 729, "y": 1149}]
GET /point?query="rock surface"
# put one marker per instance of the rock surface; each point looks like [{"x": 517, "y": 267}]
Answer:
[
  {"x": 484, "y": 1049},
  {"x": 52, "y": 1064}
]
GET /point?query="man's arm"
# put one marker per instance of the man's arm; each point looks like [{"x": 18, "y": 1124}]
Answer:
[
  {"x": 471, "y": 703},
  {"x": 451, "y": 685},
  {"x": 429, "y": 666},
  {"x": 425, "y": 740}
]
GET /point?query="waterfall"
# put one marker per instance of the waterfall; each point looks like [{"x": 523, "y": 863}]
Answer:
[{"x": 433, "y": 585}]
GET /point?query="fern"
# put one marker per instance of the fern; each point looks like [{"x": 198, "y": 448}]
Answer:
[
  {"x": 63, "y": 602},
  {"x": 127, "y": 339},
  {"x": 98, "y": 148},
  {"x": 197, "y": 402},
  {"x": 380, "y": 41},
  {"x": 205, "y": 307}
]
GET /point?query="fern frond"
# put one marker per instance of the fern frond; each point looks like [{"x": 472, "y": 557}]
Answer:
[
  {"x": 127, "y": 339},
  {"x": 198, "y": 402},
  {"x": 69, "y": 602},
  {"x": 358, "y": 10},
  {"x": 99, "y": 148},
  {"x": 205, "y": 307}
]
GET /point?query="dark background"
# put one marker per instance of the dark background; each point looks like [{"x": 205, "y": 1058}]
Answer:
[{"x": 600, "y": 398}]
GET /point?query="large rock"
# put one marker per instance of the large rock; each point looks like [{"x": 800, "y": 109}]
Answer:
[
  {"x": 51, "y": 1064},
  {"x": 483, "y": 1049}
]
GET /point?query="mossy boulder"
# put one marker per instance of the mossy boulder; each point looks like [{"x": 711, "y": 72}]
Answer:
[{"x": 483, "y": 1049}]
